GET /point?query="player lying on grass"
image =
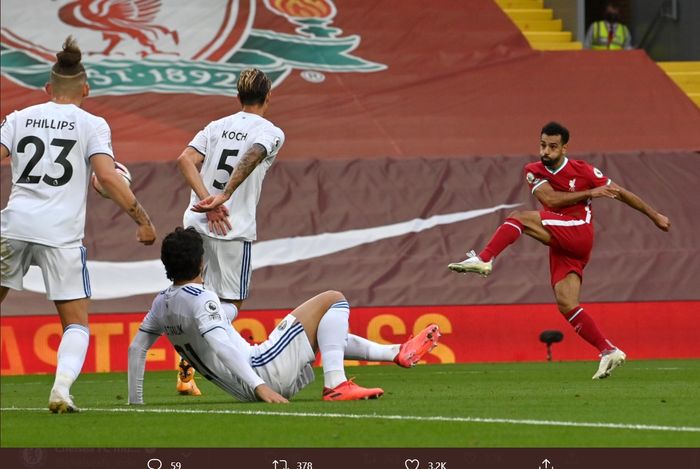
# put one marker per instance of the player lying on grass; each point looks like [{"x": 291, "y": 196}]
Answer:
[
  {"x": 273, "y": 371},
  {"x": 565, "y": 188}
]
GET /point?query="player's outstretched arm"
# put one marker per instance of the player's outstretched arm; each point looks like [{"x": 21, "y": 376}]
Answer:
[
  {"x": 121, "y": 194},
  {"x": 4, "y": 152},
  {"x": 634, "y": 201},
  {"x": 547, "y": 196},
  {"x": 137, "y": 364},
  {"x": 252, "y": 158},
  {"x": 239, "y": 365}
]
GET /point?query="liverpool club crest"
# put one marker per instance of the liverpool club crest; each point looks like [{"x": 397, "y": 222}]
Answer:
[{"x": 175, "y": 46}]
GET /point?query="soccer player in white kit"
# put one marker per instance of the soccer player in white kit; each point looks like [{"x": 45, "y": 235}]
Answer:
[
  {"x": 233, "y": 154},
  {"x": 54, "y": 146},
  {"x": 191, "y": 317}
]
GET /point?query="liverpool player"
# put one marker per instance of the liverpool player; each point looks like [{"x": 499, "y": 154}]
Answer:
[{"x": 565, "y": 189}]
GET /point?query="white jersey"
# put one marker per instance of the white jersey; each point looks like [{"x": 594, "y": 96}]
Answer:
[
  {"x": 51, "y": 145},
  {"x": 223, "y": 143},
  {"x": 185, "y": 314}
]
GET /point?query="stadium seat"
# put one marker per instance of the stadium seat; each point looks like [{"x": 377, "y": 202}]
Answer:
[
  {"x": 539, "y": 14},
  {"x": 538, "y": 25},
  {"x": 532, "y": 4},
  {"x": 686, "y": 75}
]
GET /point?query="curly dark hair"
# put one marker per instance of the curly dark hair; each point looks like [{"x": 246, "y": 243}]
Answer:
[
  {"x": 555, "y": 128},
  {"x": 181, "y": 253}
]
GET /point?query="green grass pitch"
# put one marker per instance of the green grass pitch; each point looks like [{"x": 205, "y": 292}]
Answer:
[{"x": 644, "y": 404}]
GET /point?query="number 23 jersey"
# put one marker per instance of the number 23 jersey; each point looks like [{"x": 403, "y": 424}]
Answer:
[{"x": 51, "y": 145}]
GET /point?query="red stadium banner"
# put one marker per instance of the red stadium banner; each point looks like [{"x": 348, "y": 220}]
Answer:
[{"x": 489, "y": 333}]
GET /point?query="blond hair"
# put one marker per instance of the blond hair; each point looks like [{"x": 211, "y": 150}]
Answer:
[{"x": 253, "y": 86}]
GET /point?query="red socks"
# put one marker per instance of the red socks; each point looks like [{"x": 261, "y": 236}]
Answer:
[
  {"x": 586, "y": 328},
  {"x": 505, "y": 235}
]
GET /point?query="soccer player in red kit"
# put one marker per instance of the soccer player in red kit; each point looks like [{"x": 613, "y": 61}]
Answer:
[{"x": 565, "y": 189}]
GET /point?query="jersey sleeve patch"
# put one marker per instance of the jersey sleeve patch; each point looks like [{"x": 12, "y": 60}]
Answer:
[
  {"x": 272, "y": 139},
  {"x": 599, "y": 179},
  {"x": 533, "y": 180},
  {"x": 210, "y": 316}
]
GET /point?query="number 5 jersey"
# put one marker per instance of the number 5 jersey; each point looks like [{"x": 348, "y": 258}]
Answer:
[{"x": 223, "y": 143}]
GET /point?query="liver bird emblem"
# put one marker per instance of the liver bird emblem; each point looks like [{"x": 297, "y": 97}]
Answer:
[{"x": 119, "y": 20}]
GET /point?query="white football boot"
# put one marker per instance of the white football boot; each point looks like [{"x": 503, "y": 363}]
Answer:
[
  {"x": 609, "y": 362},
  {"x": 59, "y": 403},
  {"x": 473, "y": 264}
]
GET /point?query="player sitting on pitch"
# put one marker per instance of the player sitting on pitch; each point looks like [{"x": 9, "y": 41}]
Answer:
[{"x": 273, "y": 371}]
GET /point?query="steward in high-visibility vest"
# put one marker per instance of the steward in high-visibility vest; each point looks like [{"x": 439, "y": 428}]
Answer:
[{"x": 608, "y": 36}]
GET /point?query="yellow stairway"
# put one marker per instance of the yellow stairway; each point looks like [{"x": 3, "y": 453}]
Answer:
[
  {"x": 538, "y": 25},
  {"x": 686, "y": 75}
]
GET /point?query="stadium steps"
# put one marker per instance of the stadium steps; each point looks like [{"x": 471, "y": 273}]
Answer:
[
  {"x": 538, "y": 25},
  {"x": 686, "y": 75}
]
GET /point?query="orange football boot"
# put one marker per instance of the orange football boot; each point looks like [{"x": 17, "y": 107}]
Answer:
[
  {"x": 349, "y": 391},
  {"x": 414, "y": 348},
  {"x": 185, "y": 380}
]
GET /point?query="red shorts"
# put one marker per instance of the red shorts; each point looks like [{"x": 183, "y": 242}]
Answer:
[{"x": 571, "y": 244}]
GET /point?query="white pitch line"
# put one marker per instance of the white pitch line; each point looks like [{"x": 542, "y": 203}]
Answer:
[{"x": 421, "y": 418}]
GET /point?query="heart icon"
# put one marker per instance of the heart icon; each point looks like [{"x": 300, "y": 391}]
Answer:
[{"x": 412, "y": 464}]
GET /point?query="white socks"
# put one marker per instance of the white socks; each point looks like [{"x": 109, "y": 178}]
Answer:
[
  {"x": 332, "y": 338},
  {"x": 230, "y": 310},
  {"x": 360, "y": 348},
  {"x": 71, "y": 355}
]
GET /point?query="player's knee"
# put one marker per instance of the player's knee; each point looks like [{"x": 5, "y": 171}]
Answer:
[
  {"x": 332, "y": 296},
  {"x": 565, "y": 305}
]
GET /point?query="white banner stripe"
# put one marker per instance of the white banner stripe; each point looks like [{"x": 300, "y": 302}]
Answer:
[
  {"x": 419, "y": 418},
  {"x": 124, "y": 279}
]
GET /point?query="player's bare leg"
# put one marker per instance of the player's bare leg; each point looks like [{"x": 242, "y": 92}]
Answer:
[
  {"x": 567, "y": 293},
  {"x": 532, "y": 224},
  {"x": 517, "y": 223},
  {"x": 3, "y": 293},
  {"x": 71, "y": 352}
]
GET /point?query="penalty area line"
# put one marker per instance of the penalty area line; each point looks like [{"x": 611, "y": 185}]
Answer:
[{"x": 419, "y": 418}]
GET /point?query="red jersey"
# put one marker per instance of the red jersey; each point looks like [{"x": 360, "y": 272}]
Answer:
[{"x": 572, "y": 176}]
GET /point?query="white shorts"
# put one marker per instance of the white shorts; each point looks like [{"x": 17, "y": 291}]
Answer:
[
  {"x": 284, "y": 360},
  {"x": 64, "y": 269},
  {"x": 227, "y": 267}
]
